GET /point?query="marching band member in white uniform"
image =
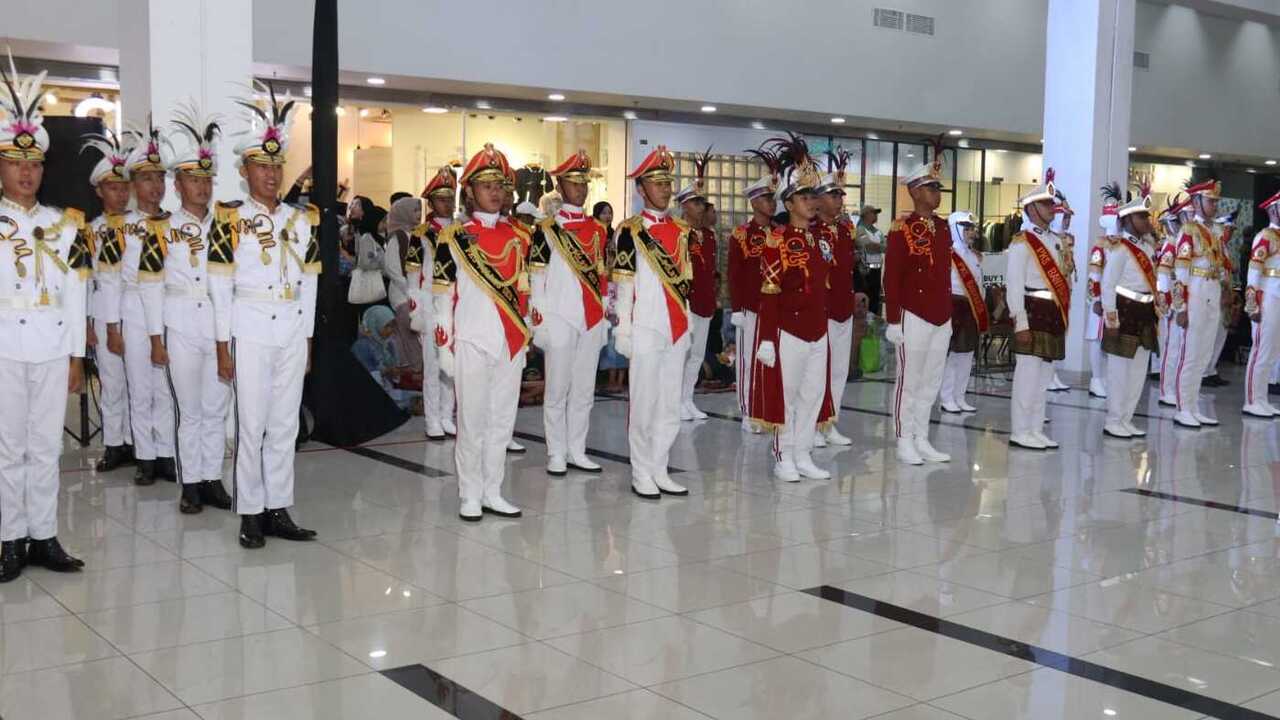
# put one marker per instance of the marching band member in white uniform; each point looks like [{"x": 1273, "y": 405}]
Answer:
[{"x": 1262, "y": 305}]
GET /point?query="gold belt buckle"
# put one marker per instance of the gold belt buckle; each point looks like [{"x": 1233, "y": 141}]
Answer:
[
  {"x": 44, "y": 297},
  {"x": 288, "y": 291}
]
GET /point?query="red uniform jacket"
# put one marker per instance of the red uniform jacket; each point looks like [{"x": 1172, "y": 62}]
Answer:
[
  {"x": 702, "y": 258},
  {"x": 917, "y": 270},
  {"x": 744, "y": 265},
  {"x": 844, "y": 262},
  {"x": 793, "y": 299}
]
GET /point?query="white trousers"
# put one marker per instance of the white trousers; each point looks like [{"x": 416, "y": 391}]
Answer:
[
  {"x": 33, "y": 403},
  {"x": 1126, "y": 379},
  {"x": 570, "y": 360},
  {"x": 437, "y": 388},
  {"x": 150, "y": 404},
  {"x": 804, "y": 383},
  {"x": 1098, "y": 362},
  {"x": 268, "y": 395},
  {"x": 488, "y": 391},
  {"x": 745, "y": 341},
  {"x": 955, "y": 377},
  {"x": 1170, "y": 356},
  {"x": 1204, "y": 315},
  {"x": 654, "y": 408},
  {"x": 1031, "y": 375},
  {"x": 840, "y": 345},
  {"x": 114, "y": 401},
  {"x": 698, "y": 327},
  {"x": 921, "y": 356},
  {"x": 202, "y": 401},
  {"x": 1263, "y": 354},
  {"x": 1219, "y": 342}
]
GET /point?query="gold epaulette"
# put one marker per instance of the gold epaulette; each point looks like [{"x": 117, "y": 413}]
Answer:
[
  {"x": 635, "y": 224},
  {"x": 684, "y": 226},
  {"x": 897, "y": 225},
  {"x": 775, "y": 237},
  {"x": 228, "y": 212},
  {"x": 73, "y": 217},
  {"x": 1018, "y": 237},
  {"x": 421, "y": 230},
  {"x": 313, "y": 215}
]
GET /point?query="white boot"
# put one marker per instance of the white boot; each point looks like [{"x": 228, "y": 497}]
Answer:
[
  {"x": 806, "y": 468},
  {"x": 1097, "y": 387},
  {"x": 907, "y": 452},
  {"x": 1056, "y": 384},
  {"x": 435, "y": 431},
  {"x": 1257, "y": 410},
  {"x": 667, "y": 485},
  {"x": 1205, "y": 419},
  {"x": 750, "y": 427},
  {"x": 514, "y": 447},
  {"x": 471, "y": 511},
  {"x": 448, "y": 426},
  {"x": 499, "y": 506},
  {"x": 1117, "y": 430},
  {"x": 950, "y": 407},
  {"x": 1026, "y": 440},
  {"x": 965, "y": 406},
  {"x": 695, "y": 412},
  {"x": 785, "y": 470},
  {"x": 1048, "y": 442},
  {"x": 686, "y": 414},
  {"x": 929, "y": 452},
  {"x": 833, "y": 436},
  {"x": 643, "y": 486},
  {"x": 1134, "y": 430},
  {"x": 1186, "y": 419},
  {"x": 556, "y": 465},
  {"x": 585, "y": 464},
  {"x": 819, "y": 441}
]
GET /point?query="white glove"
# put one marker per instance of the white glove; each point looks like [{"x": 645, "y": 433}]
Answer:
[
  {"x": 622, "y": 340},
  {"x": 767, "y": 354},
  {"x": 736, "y": 319},
  {"x": 893, "y": 334},
  {"x": 418, "y": 315},
  {"x": 446, "y": 361}
]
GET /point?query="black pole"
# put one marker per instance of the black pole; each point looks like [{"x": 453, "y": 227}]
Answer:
[{"x": 324, "y": 158}]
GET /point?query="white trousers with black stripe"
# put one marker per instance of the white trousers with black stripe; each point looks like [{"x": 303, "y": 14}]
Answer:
[
  {"x": 922, "y": 355},
  {"x": 268, "y": 394},
  {"x": 202, "y": 401}
]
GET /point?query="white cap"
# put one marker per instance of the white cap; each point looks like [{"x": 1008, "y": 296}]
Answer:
[
  {"x": 194, "y": 142},
  {"x": 265, "y": 139},
  {"x": 148, "y": 150},
  {"x": 528, "y": 208},
  {"x": 113, "y": 165},
  {"x": 22, "y": 133}
]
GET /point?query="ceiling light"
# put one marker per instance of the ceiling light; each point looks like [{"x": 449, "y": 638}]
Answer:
[
  {"x": 306, "y": 90},
  {"x": 375, "y": 81},
  {"x": 378, "y": 654},
  {"x": 1041, "y": 141},
  {"x": 1001, "y": 150},
  {"x": 51, "y": 98},
  {"x": 1250, "y": 170},
  {"x": 89, "y": 104},
  {"x": 837, "y": 120},
  {"x": 483, "y": 105},
  {"x": 1205, "y": 156},
  {"x": 1270, "y": 162},
  {"x": 757, "y": 125},
  {"x": 554, "y": 118},
  {"x": 555, "y": 96},
  {"x": 364, "y": 112},
  {"x": 340, "y": 111},
  {"x": 435, "y": 109},
  {"x": 629, "y": 115},
  {"x": 911, "y": 155},
  {"x": 872, "y": 136},
  {"x": 708, "y": 108},
  {"x": 1133, "y": 149},
  {"x": 1108, "y": 712},
  {"x": 955, "y": 133}
]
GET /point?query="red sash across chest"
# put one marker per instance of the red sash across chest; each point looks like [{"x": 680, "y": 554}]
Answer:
[
  {"x": 504, "y": 251},
  {"x": 591, "y": 240},
  {"x": 667, "y": 234}
]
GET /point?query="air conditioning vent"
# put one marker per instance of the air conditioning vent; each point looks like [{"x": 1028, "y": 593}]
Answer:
[
  {"x": 889, "y": 19},
  {"x": 1141, "y": 60},
  {"x": 919, "y": 24}
]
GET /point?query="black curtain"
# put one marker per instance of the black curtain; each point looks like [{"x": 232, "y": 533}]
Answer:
[{"x": 347, "y": 405}]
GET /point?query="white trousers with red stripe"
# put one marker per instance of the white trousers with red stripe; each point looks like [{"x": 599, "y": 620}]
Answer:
[
  {"x": 1126, "y": 379},
  {"x": 1170, "y": 353},
  {"x": 804, "y": 383},
  {"x": 840, "y": 340},
  {"x": 698, "y": 328},
  {"x": 1204, "y": 317},
  {"x": 746, "y": 345},
  {"x": 570, "y": 358},
  {"x": 488, "y": 390},
  {"x": 1263, "y": 355},
  {"x": 654, "y": 409},
  {"x": 922, "y": 355},
  {"x": 1031, "y": 375}
]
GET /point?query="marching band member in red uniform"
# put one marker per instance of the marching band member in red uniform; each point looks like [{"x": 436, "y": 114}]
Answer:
[
  {"x": 652, "y": 273},
  {"x": 1132, "y": 307},
  {"x": 917, "y": 294},
  {"x": 481, "y": 290},
  {"x": 1262, "y": 305},
  {"x": 841, "y": 233},
  {"x": 1039, "y": 297},
  {"x": 1197, "y": 299},
  {"x": 789, "y": 391},
  {"x": 969, "y": 316},
  {"x": 745, "y": 247},
  {"x": 567, "y": 260},
  {"x": 702, "y": 291}
]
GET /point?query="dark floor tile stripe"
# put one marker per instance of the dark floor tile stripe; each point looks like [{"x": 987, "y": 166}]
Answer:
[
  {"x": 603, "y": 454},
  {"x": 446, "y": 694},
  {"x": 396, "y": 461},
  {"x": 1118, "y": 679},
  {"x": 1202, "y": 503}
]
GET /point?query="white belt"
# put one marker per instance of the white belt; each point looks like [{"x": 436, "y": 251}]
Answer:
[
  {"x": 1043, "y": 294},
  {"x": 1134, "y": 295},
  {"x": 276, "y": 296},
  {"x": 179, "y": 291},
  {"x": 26, "y": 303}
]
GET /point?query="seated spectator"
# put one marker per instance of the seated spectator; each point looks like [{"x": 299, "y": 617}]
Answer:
[{"x": 377, "y": 353}]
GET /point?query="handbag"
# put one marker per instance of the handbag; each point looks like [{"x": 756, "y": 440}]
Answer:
[
  {"x": 366, "y": 277},
  {"x": 869, "y": 354}
]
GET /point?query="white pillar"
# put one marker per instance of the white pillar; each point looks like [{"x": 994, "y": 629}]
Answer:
[
  {"x": 1087, "y": 98},
  {"x": 200, "y": 50}
]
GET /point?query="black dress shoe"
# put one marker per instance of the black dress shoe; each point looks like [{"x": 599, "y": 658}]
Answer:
[
  {"x": 114, "y": 456},
  {"x": 146, "y": 473},
  {"x": 279, "y": 524},
  {"x": 49, "y": 554},
  {"x": 212, "y": 493},
  {"x": 1213, "y": 381},
  {"x": 190, "y": 503},
  {"x": 1163, "y": 403},
  {"x": 251, "y": 536},
  {"x": 10, "y": 560},
  {"x": 167, "y": 469}
]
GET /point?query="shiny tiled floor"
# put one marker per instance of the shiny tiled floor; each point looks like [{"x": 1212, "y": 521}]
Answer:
[{"x": 600, "y": 605}]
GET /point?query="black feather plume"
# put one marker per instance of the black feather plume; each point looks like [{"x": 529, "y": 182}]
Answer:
[{"x": 1111, "y": 191}]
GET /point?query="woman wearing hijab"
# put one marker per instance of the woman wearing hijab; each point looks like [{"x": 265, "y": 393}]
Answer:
[
  {"x": 377, "y": 351},
  {"x": 969, "y": 317},
  {"x": 611, "y": 361}
]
